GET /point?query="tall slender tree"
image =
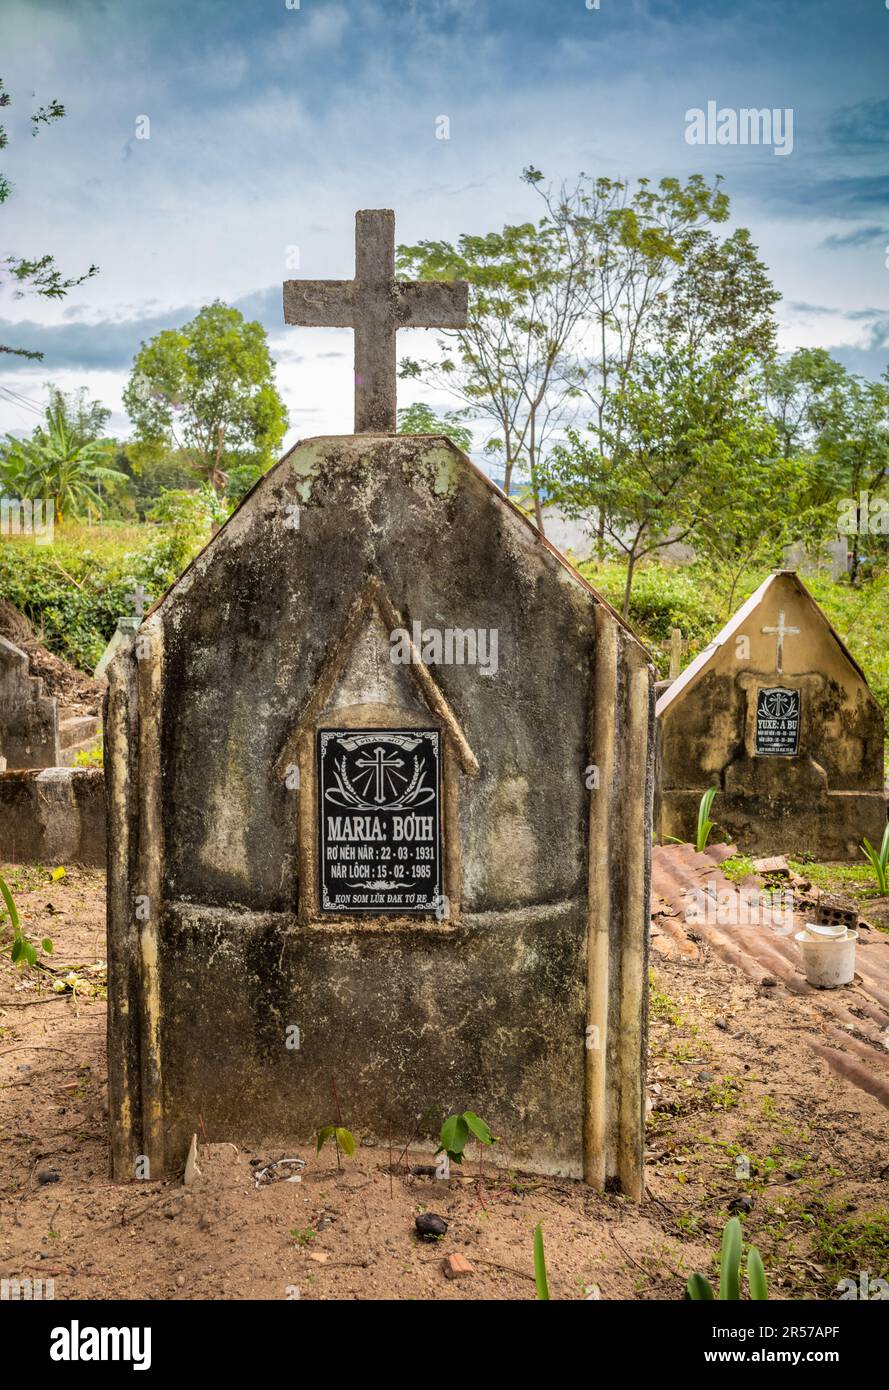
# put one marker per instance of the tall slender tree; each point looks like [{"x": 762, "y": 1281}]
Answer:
[
  {"x": 511, "y": 363},
  {"x": 559, "y": 308}
]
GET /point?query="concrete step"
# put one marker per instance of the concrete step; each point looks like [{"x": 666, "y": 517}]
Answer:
[
  {"x": 76, "y": 728},
  {"x": 69, "y": 754}
]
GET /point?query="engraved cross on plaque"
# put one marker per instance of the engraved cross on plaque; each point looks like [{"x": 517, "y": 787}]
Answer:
[
  {"x": 780, "y": 632},
  {"x": 378, "y": 765},
  {"x": 376, "y": 305}
]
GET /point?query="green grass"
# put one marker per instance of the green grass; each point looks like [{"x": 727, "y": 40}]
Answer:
[
  {"x": 859, "y": 616},
  {"x": 859, "y": 880},
  {"x": 661, "y": 1006},
  {"x": 849, "y": 1244},
  {"x": 739, "y": 867},
  {"x": 724, "y": 1094}
]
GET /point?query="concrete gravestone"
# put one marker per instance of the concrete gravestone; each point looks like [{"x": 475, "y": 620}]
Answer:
[
  {"x": 29, "y": 720},
  {"x": 379, "y": 779},
  {"x": 778, "y": 715}
]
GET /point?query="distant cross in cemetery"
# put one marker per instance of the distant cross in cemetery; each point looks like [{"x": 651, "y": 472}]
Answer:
[
  {"x": 780, "y": 632},
  {"x": 375, "y": 305},
  {"x": 137, "y": 599}
]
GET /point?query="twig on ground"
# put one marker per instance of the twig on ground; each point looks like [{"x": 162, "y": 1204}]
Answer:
[
  {"x": 35, "y": 1047},
  {"x": 26, "y": 1003}
]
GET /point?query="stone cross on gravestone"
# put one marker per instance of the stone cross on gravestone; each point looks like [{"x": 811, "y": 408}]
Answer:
[
  {"x": 780, "y": 632},
  {"x": 137, "y": 599},
  {"x": 375, "y": 305}
]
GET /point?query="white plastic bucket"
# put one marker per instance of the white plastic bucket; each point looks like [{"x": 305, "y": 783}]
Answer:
[
  {"x": 826, "y": 931},
  {"x": 828, "y": 962}
]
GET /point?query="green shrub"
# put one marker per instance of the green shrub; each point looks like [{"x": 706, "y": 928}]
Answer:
[
  {"x": 662, "y": 598},
  {"x": 859, "y": 616},
  {"x": 74, "y": 591}
]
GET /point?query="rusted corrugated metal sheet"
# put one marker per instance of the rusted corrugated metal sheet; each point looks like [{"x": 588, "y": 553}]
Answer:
[{"x": 850, "y": 1029}]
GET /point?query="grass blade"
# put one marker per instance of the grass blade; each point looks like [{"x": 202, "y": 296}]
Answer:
[
  {"x": 10, "y": 906},
  {"x": 540, "y": 1279},
  {"x": 730, "y": 1262},
  {"x": 705, "y": 824},
  {"x": 756, "y": 1276}
]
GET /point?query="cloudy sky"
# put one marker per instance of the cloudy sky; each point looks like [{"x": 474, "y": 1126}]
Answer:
[{"x": 271, "y": 122}]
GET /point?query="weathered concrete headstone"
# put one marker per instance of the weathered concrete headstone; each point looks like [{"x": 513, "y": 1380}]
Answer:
[
  {"x": 29, "y": 720},
  {"x": 379, "y": 790},
  {"x": 778, "y": 715}
]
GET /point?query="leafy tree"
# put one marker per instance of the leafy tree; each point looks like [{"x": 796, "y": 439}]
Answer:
[
  {"x": 422, "y": 419},
  {"x": 193, "y": 514},
  {"x": 151, "y": 469},
  {"x": 56, "y": 462},
  {"x": 771, "y": 507},
  {"x": 839, "y": 423},
  {"x": 852, "y": 423},
  {"x": 667, "y": 296},
  {"x": 673, "y": 436},
  {"x": 40, "y": 274},
  {"x": 243, "y": 474},
  {"x": 85, "y": 419},
  {"x": 208, "y": 390},
  {"x": 559, "y": 309},
  {"x": 721, "y": 300},
  {"x": 512, "y": 363},
  {"x": 794, "y": 389},
  {"x": 639, "y": 239}
]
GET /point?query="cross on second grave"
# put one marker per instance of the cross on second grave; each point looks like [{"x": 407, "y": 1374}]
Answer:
[
  {"x": 779, "y": 633},
  {"x": 376, "y": 305},
  {"x": 137, "y": 599}
]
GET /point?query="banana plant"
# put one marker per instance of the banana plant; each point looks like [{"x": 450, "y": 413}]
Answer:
[
  {"x": 55, "y": 463},
  {"x": 699, "y": 1288},
  {"x": 879, "y": 860}
]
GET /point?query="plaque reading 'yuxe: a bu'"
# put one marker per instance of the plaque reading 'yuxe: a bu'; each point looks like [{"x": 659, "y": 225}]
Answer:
[
  {"x": 379, "y": 806},
  {"x": 777, "y": 721}
]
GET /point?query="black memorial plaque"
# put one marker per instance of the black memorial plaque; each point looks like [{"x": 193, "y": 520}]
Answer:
[
  {"x": 379, "y": 831},
  {"x": 777, "y": 721}
]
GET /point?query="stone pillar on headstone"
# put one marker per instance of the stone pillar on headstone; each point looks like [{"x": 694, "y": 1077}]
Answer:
[
  {"x": 675, "y": 653},
  {"x": 123, "y": 633}
]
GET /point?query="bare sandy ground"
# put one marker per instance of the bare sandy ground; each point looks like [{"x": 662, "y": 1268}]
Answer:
[{"x": 743, "y": 1115}]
